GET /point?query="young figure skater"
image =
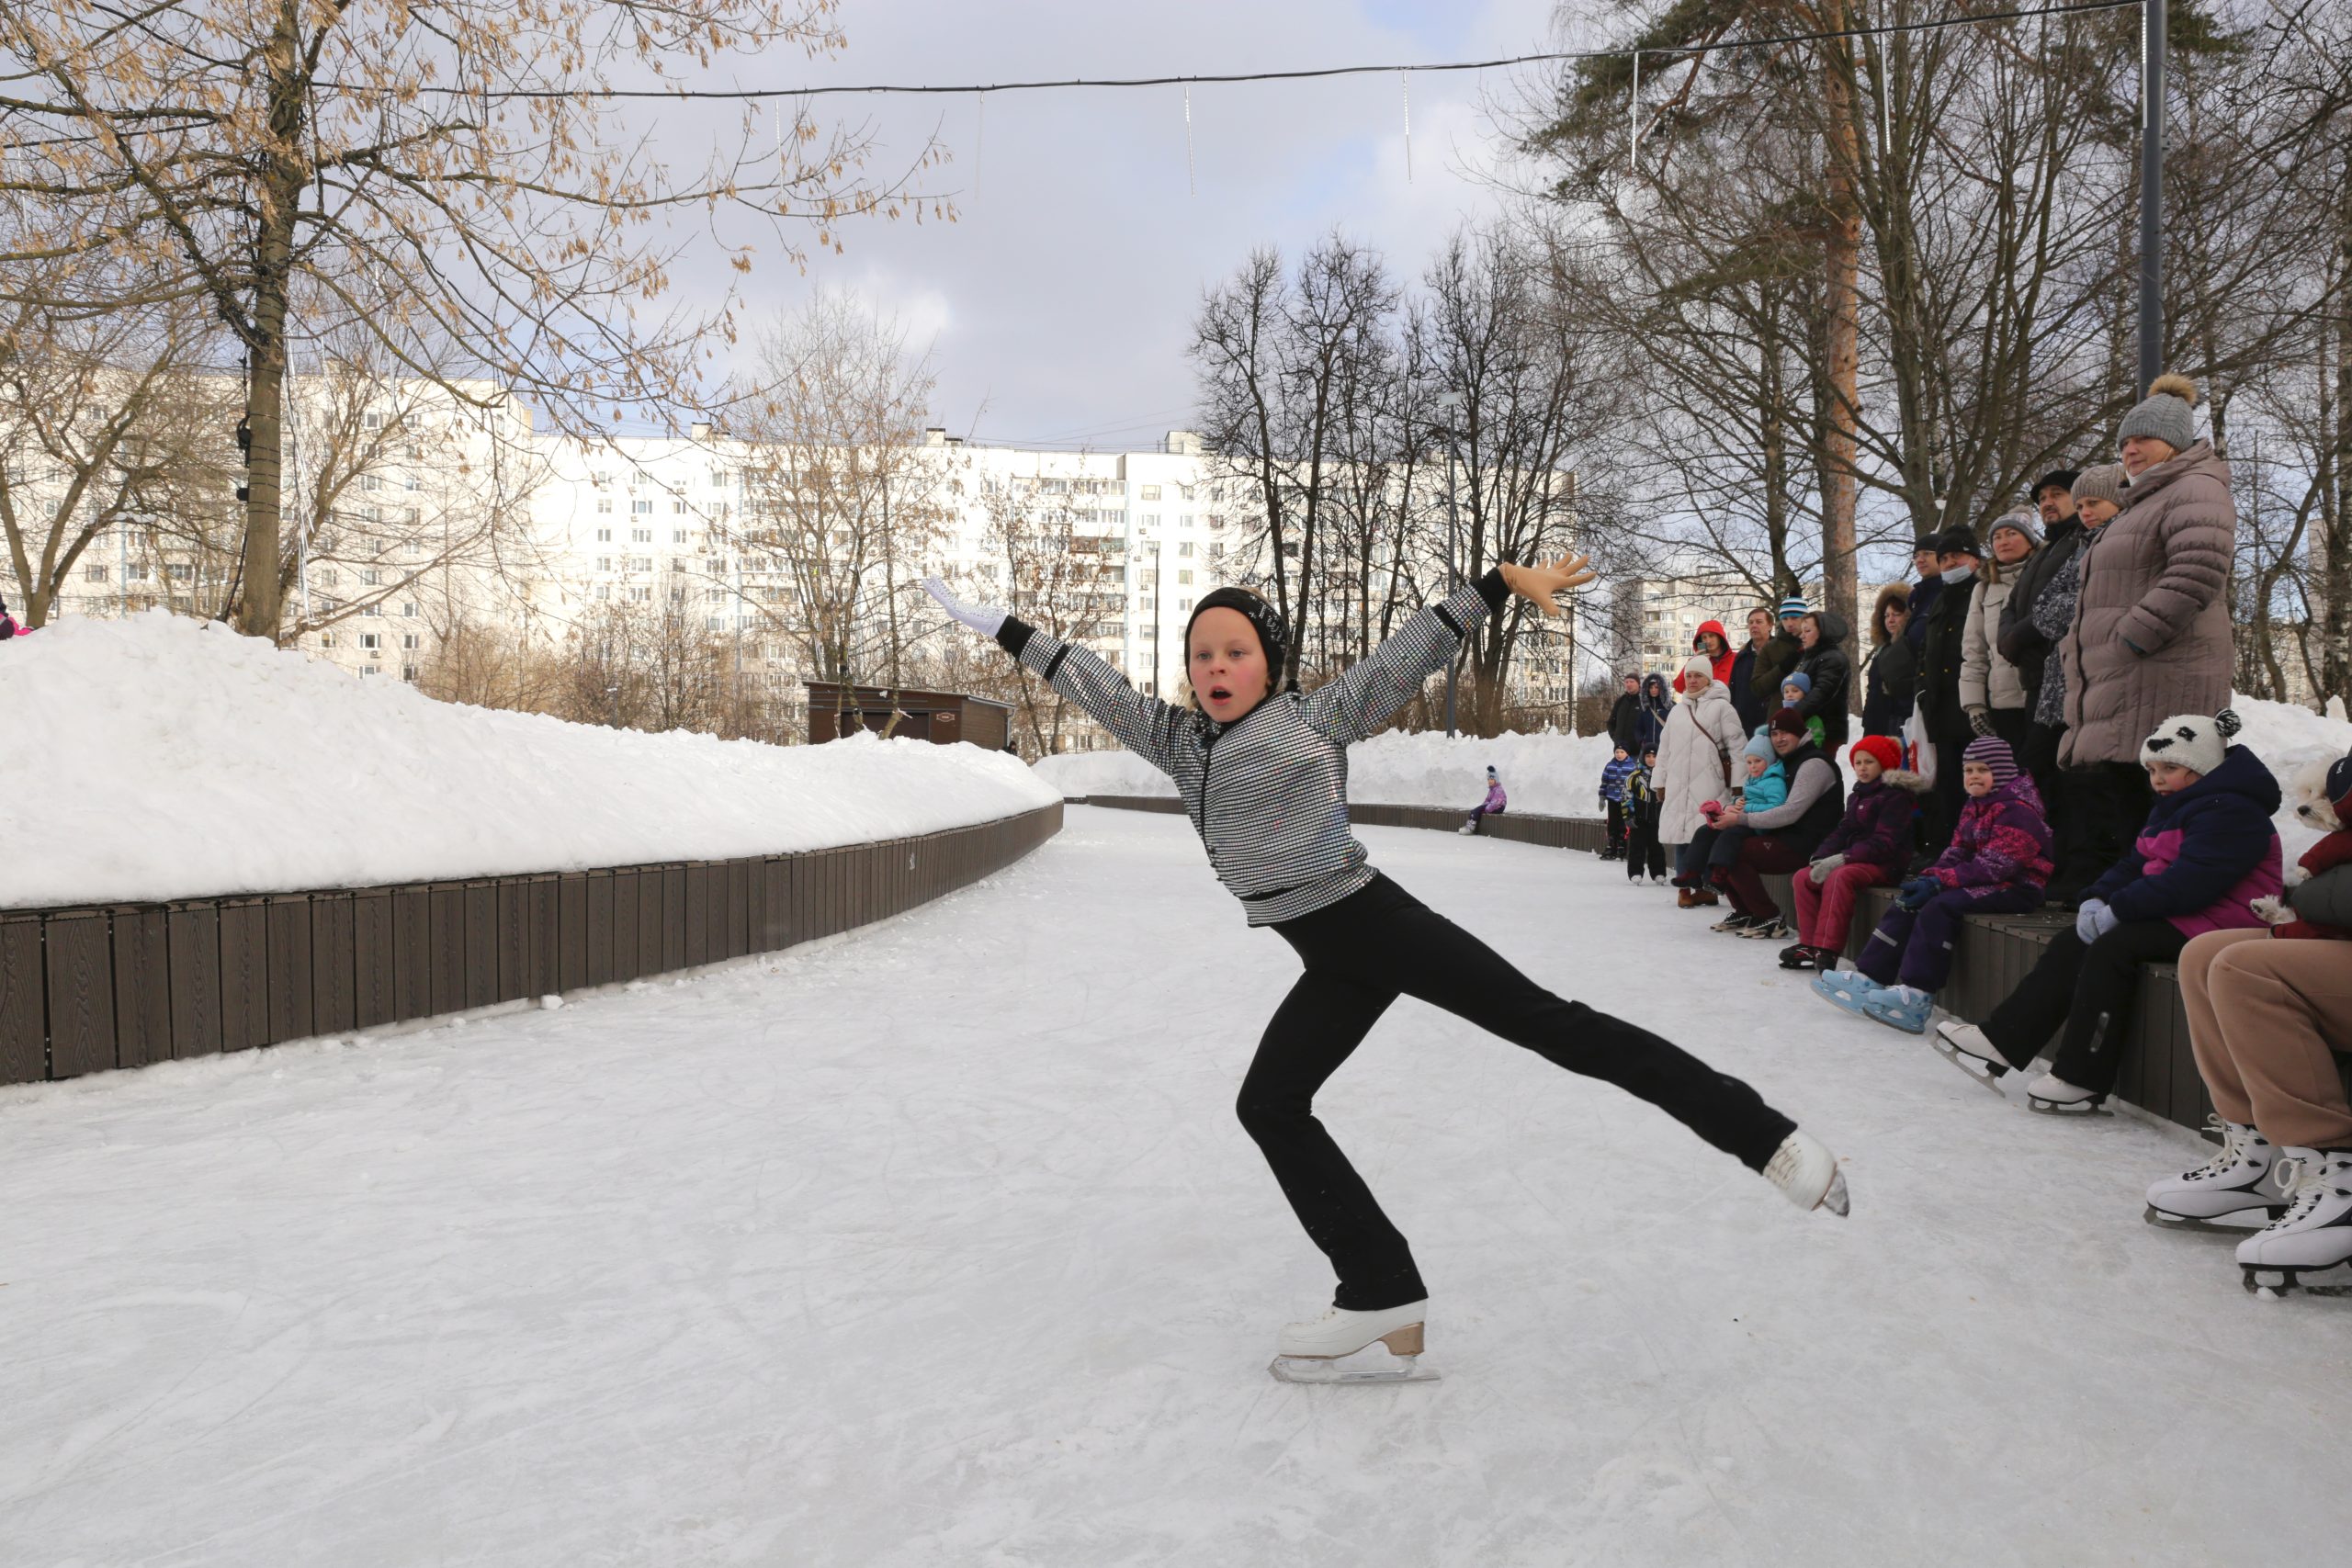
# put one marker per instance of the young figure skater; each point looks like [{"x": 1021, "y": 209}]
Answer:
[{"x": 1263, "y": 777}]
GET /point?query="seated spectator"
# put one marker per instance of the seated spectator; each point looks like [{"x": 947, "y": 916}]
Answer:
[
  {"x": 2205, "y": 854},
  {"x": 1868, "y": 849},
  {"x": 1644, "y": 856},
  {"x": 2267, "y": 1014},
  {"x": 1794, "y": 692},
  {"x": 1996, "y": 865},
  {"x": 1490, "y": 806},
  {"x": 1764, "y": 784},
  {"x": 1620, "y": 767},
  {"x": 1786, "y": 835}
]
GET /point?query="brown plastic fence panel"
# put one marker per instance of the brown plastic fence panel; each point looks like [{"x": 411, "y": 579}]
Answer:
[
  {"x": 541, "y": 931},
  {"x": 417, "y": 952},
  {"x": 24, "y": 1029},
  {"x": 507, "y": 946},
  {"x": 596, "y": 954},
  {"x": 375, "y": 992},
  {"x": 673, "y": 919},
  {"x": 572, "y": 930},
  {"x": 738, "y": 876},
  {"x": 193, "y": 930},
  {"x": 699, "y": 901},
  {"x": 623, "y": 964},
  {"x": 245, "y": 973},
  {"x": 651, "y": 921},
  {"x": 143, "y": 987},
  {"x": 79, "y": 961},
  {"x": 445, "y": 957},
  {"x": 290, "y": 967},
  {"x": 480, "y": 978},
  {"x": 333, "y": 984}
]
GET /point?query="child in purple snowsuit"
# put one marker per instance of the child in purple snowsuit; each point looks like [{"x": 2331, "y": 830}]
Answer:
[
  {"x": 1490, "y": 806},
  {"x": 1998, "y": 861}
]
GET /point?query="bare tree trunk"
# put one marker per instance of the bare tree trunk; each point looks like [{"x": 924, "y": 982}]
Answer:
[{"x": 1842, "y": 346}]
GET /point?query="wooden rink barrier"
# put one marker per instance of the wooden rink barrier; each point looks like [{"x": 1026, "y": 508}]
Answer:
[
  {"x": 2159, "y": 1069},
  {"x": 83, "y": 990}
]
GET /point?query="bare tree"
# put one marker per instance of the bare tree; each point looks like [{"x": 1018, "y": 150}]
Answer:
[{"x": 453, "y": 177}]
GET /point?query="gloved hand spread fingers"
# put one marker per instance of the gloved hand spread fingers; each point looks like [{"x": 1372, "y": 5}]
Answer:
[{"x": 983, "y": 620}]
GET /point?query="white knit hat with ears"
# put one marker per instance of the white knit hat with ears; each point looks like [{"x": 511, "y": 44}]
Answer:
[{"x": 2190, "y": 739}]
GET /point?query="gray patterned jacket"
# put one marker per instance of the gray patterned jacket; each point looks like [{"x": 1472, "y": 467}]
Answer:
[{"x": 1268, "y": 794}]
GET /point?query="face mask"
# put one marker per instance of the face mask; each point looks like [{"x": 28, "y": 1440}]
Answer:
[{"x": 1959, "y": 573}]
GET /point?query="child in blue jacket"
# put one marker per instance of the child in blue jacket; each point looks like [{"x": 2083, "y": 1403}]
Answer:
[{"x": 1620, "y": 768}]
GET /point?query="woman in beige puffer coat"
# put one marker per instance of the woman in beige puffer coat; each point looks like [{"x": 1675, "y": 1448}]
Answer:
[
  {"x": 1697, "y": 757},
  {"x": 1991, "y": 690},
  {"x": 2151, "y": 637}
]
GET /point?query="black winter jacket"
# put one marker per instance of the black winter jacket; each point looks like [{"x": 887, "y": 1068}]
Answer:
[
  {"x": 1831, "y": 670},
  {"x": 2021, "y": 642},
  {"x": 1746, "y": 700},
  {"x": 1625, "y": 722},
  {"x": 1939, "y": 661},
  {"x": 1890, "y": 681}
]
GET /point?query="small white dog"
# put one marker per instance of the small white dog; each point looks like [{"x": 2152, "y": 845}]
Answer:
[{"x": 2308, "y": 789}]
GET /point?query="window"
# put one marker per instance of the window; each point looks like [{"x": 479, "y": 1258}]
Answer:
[
  {"x": 95, "y": 571},
  {"x": 408, "y": 672},
  {"x": 371, "y": 641},
  {"x": 326, "y": 639},
  {"x": 641, "y": 507},
  {"x": 413, "y": 450},
  {"x": 1147, "y": 520},
  {"x": 714, "y": 623},
  {"x": 409, "y": 640},
  {"x": 603, "y": 503},
  {"x": 413, "y": 482},
  {"x": 371, "y": 576},
  {"x": 1183, "y": 577},
  {"x": 604, "y": 535},
  {"x": 1184, "y": 548},
  {"x": 640, "y": 563},
  {"x": 371, "y": 670},
  {"x": 679, "y": 504},
  {"x": 604, "y": 563},
  {"x": 371, "y": 482},
  {"x": 677, "y": 596},
  {"x": 1187, "y": 520},
  {"x": 371, "y": 422},
  {"x": 409, "y": 610},
  {"x": 1183, "y": 605},
  {"x": 406, "y": 514},
  {"x": 602, "y": 477},
  {"x": 640, "y": 596},
  {"x": 181, "y": 571},
  {"x": 640, "y": 536},
  {"x": 604, "y": 591},
  {"x": 677, "y": 536},
  {"x": 1148, "y": 493}
]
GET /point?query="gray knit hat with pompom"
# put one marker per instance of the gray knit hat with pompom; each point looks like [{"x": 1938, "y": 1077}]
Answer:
[{"x": 2168, "y": 413}]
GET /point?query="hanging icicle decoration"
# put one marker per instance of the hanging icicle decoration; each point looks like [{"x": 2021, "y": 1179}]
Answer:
[
  {"x": 1191, "y": 184},
  {"x": 1405, "y": 91},
  {"x": 1634, "y": 120}
]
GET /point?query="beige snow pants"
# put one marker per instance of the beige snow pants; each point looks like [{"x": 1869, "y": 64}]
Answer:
[{"x": 2265, "y": 1017}]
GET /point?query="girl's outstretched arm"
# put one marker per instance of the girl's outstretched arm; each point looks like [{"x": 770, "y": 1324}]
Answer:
[
  {"x": 1145, "y": 726},
  {"x": 1357, "y": 704}
]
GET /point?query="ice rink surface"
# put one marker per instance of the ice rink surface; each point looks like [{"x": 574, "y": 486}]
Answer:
[{"x": 940, "y": 1245}]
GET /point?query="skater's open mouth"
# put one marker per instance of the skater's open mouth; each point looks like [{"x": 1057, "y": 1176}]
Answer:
[{"x": 1219, "y": 694}]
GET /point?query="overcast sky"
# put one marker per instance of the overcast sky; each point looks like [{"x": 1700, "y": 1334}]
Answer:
[{"x": 1058, "y": 306}]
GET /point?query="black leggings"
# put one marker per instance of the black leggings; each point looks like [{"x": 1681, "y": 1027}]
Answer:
[
  {"x": 2078, "y": 987},
  {"x": 1364, "y": 952}
]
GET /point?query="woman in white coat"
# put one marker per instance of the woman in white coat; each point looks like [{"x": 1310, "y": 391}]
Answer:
[
  {"x": 1991, "y": 690},
  {"x": 1695, "y": 765}
]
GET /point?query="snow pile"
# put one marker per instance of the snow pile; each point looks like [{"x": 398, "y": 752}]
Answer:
[
  {"x": 1559, "y": 776},
  {"x": 159, "y": 758}
]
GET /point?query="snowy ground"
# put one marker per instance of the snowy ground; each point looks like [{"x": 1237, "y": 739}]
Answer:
[{"x": 939, "y": 1245}]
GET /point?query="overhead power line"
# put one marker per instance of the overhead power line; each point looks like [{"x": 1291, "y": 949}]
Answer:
[{"x": 1314, "y": 73}]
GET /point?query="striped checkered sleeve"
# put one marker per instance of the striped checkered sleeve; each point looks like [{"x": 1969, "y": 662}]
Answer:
[
  {"x": 1357, "y": 704},
  {"x": 1145, "y": 726}
]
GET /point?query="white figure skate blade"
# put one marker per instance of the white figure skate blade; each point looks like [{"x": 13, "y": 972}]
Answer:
[
  {"x": 2237, "y": 1225},
  {"x": 1373, "y": 1364},
  {"x": 2065, "y": 1107},
  {"x": 2272, "y": 1281},
  {"x": 1973, "y": 1068}
]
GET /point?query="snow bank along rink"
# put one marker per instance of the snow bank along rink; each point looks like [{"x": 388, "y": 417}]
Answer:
[
  {"x": 158, "y": 757},
  {"x": 941, "y": 1244},
  {"x": 1559, "y": 776}
]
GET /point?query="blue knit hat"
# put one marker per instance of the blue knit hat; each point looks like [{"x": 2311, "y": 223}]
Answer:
[
  {"x": 1760, "y": 745},
  {"x": 1800, "y": 680},
  {"x": 1994, "y": 753},
  {"x": 1793, "y": 607}
]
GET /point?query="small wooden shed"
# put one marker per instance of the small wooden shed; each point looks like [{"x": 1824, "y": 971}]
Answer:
[{"x": 940, "y": 717}]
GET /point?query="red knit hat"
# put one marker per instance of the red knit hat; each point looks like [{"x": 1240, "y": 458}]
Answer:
[{"x": 1888, "y": 751}]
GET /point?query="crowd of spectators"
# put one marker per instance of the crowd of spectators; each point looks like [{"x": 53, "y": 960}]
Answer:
[{"x": 2043, "y": 725}]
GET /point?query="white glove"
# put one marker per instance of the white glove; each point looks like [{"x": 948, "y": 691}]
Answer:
[
  {"x": 2272, "y": 911},
  {"x": 983, "y": 621},
  {"x": 2094, "y": 919}
]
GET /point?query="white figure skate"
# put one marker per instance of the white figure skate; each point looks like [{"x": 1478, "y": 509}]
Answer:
[{"x": 1343, "y": 1346}]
